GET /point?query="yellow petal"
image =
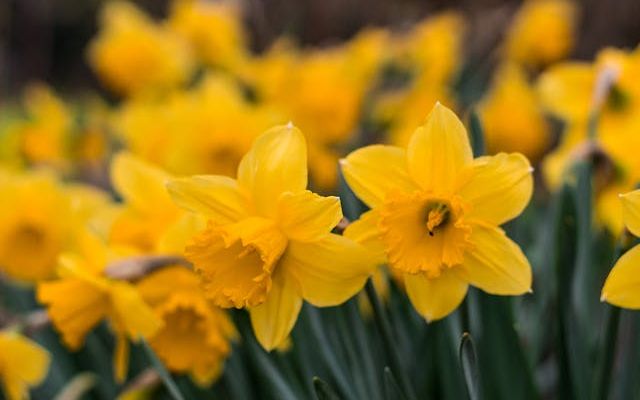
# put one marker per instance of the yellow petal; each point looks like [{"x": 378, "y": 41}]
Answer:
[
  {"x": 214, "y": 196},
  {"x": 435, "y": 298},
  {"x": 496, "y": 264},
  {"x": 365, "y": 232},
  {"x": 73, "y": 316},
  {"x": 438, "y": 151},
  {"x": 622, "y": 287},
  {"x": 305, "y": 216},
  {"x": 274, "y": 319},
  {"x": 374, "y": 171},
  {"x": 136, "y": 317},
  {"x": 28, "y": 361},
  {"x": 276, "y": 163},
  {"x": 330, "y": 270},
  {"x": 139, "y": 183},
  {"x": 498, "y": 187},
  {"x": 566, "y": 90},
  {"x": 631, "y": 211},
  {"x": 175, "y": 238}
]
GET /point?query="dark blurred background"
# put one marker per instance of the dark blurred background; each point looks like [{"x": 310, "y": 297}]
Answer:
[{"x": 46, "y": 39}]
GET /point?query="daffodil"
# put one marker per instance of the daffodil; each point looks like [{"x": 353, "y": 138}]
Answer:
[
  {"x": 542, "y": 32},
  {"x": 133, "y": 54},
  {"x": 196, "y": 334},
  {"x": 37, "y": 222},
  {"x": 44, "y": 137},
  {"x": 188, "y": 132},
  {"x": 622, "y": 287},
  {"x": 96, "y": 298},
  {"x": 511, "y": 115},
  {"x": 607, "y": 89},
  {"x": 213, "y": 29},
  {"x": 23, "y": 364},
  {"x": 435, "y": 213},
  {"x": 268, "y": 244}
]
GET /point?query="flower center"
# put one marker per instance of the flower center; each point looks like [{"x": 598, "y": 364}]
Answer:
[
  {"x": 437, "y": 215},
  {"x": 424, "y": 233},
  {"x": 236, "y": 261}
]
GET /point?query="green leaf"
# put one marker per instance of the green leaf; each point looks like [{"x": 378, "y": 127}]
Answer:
[
  {"x": 476, "y": 134},
  {"x": 323, "y": 390},
  {"x": 391, "y": 389},
  {"x": 469, "y": 363}
]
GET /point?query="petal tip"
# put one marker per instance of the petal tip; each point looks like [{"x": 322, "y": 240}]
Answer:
[{"x": 603, "y": 297}]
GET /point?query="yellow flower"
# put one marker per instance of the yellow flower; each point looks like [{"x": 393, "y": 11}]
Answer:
[
  {"x": 623, "y": 283},
  {"x": 268, "y": 244},
  {"x": 213, "y": 29},
  {"x": 44, "y": 136},
  {"x": 96, "y": 298},
  {"x": 568, "y": 91},
  {"x": 435, "y": 213},
  {"x": 542, "y": 32},
  {"x": 22, "y": 364},
  {"x": 35, "y": 225},
  {"x": 511, "y": 116},
  {"x": 195, "y": 337},
  {"x": 148, "y": 220},
  {"x": 132, "y": 54},
  {"x": 190, "y": 132}
]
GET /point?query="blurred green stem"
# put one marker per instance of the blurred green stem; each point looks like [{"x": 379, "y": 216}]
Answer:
[
  {"x": 387, "y": 338},
  {"x": 609, "y": 340}
]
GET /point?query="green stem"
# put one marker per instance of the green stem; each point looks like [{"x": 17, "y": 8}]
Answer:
[
  {"x": 610, "y": 338},
  {"x": 387, "y": 339}
]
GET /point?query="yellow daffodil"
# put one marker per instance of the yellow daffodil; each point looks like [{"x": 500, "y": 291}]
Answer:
[
  {"x": 96, "y": 298},
  {"x": 132, "y": 53},
  {"x": 572, "y": 91},
  {"x": 511, "y": 116},
  {"x": 195, "y": 337},
  {"x": 268, "y": 244},
  {"x": 36, "y": 224},
  {"x": 213, "y": 29},
  {"x": 44, "y": 137},
  {"x": 622, "y": 287},
  {"x": 542, "y": 32},
  {"x": 189, "y": 132},
  {"x": 148, "y": 220},
  {"x": 435, "y": 213},
  {"x": 23, "y": 364}
]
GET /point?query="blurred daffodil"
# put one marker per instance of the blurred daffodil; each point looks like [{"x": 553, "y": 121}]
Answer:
[
  {"x": 23, "y": 364},
  {"x": 96, "y": 298},
  {"x": 133, "y": 54},
  {"x": 542, "y": 32},
  {"x": 511, "y": 116},
  {"x": 39, "y": 218},
  {"x": 196, "y": 334},
  {"x": 435, "y": 213},
  {"x": 190, "y": 132},
  {"x": 268, "y": 244},
  {"x": 213, "y": 29},
  {"x": 623, "y": 283}
]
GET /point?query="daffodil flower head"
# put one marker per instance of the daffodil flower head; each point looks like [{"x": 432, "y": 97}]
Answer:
[
  {"x": 23, "y": 364},
  {"x": 268, "y": 244},
  {"x": 621, "y": 287},
  {"x": 435, "y": 213},
  {"x": 96, "y": 298},
  {"x": 196, "y": 334}
]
